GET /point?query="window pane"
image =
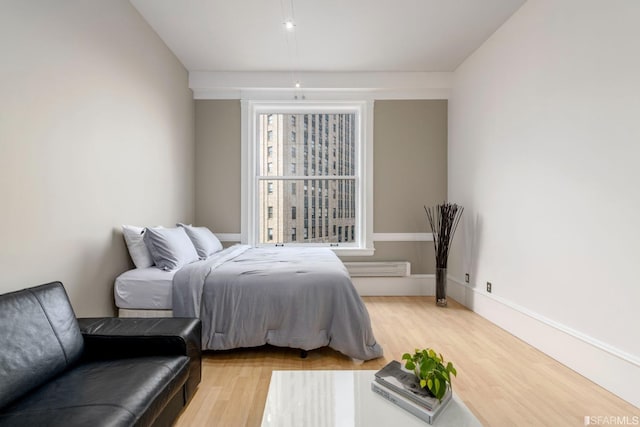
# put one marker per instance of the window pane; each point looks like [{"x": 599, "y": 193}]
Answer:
[
  {"x": 327, "y": 147},
  {"x": 310, "y": 145},
  {"x": 281, "y": 211}
]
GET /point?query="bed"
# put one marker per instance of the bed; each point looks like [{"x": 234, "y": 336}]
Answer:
[
  {"x": 144, "y": 292},
  {"x": 247, "y": 297}
]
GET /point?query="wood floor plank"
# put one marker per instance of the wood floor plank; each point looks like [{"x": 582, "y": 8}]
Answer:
[{"x": 503, "y": 380}]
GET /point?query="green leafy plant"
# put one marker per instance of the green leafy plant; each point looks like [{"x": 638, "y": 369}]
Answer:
[{"x": 431, "y": 370}]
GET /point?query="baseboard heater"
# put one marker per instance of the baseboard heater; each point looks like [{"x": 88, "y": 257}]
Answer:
[{"x": 379, "y": 268}]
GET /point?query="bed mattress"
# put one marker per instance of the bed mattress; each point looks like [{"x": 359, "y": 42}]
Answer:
[{"x": 144, "y": 289}]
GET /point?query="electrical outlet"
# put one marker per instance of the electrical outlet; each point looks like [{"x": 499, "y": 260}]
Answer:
[
  {"x": 466, "y": 278},
  {"x": 489, "y": 287}
]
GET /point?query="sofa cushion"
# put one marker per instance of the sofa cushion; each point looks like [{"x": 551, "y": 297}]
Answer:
[
  {"x": 114, "y": 337},
  {"x": 39, "y": 338},
  {"x": 122, "y": 392}
]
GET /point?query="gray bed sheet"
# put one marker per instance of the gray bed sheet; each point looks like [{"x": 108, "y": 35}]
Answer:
[{"x": 289, "y": 297}]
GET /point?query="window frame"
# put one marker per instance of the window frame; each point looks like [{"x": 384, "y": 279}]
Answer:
[{"x": 363, "y": 110}]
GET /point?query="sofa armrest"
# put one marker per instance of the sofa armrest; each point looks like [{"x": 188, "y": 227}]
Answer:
[{"x": 115, "y": 337}]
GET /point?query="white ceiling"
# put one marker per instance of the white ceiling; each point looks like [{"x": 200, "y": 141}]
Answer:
[{"x": 330, "y": 35}]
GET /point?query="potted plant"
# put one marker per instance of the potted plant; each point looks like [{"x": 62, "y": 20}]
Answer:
[{"x": 431, "y": 370}]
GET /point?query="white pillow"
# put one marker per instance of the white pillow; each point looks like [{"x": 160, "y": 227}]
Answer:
[
  {"x": 134, "y": 236},
  {"x": 170, "y": 248},
  {"x": 205, "y": 242}
]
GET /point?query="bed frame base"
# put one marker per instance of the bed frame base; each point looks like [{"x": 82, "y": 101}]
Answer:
[{"x": 128, "y": 312}]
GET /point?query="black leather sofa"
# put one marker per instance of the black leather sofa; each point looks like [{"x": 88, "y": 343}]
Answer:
[{"x": 56, "y": 370}]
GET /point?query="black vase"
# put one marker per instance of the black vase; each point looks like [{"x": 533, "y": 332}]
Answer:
[{"x": 441, "y": 287}]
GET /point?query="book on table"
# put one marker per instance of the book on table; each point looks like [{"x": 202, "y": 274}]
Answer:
[
  {"x": 407, "y": 385},
  {"x": 410, "y": 406}
]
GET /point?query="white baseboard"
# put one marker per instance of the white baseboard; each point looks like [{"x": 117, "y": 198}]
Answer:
[
  {"x": 607, "y": 366},
  {"x": 416, "y": 284}
]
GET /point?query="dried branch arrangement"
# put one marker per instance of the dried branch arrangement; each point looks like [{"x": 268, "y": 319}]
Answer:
[{"x": 443, "y": 220}]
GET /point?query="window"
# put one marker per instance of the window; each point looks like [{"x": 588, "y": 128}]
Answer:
[{"x": 337, "y": 162}]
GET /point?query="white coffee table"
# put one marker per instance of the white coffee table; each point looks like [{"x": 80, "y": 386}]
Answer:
[{"x": 343, "y": 398}]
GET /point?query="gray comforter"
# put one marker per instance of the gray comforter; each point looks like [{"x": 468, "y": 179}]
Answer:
[{"x": 288, "y": 297}]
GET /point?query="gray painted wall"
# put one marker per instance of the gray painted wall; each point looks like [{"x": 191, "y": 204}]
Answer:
[
  {"x": 96, "y": 130},
  {"x": 410, "y": 171},
  {"x": 218, "y": 165}
]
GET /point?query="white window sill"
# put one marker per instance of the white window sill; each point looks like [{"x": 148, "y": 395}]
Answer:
[{"x": 340, "y": 251}]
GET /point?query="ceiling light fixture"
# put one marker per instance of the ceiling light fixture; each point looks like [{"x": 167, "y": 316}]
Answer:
[{"x": 291, "y": 40}]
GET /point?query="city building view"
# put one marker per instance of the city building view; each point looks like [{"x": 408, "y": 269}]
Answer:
[{"x": 307, "y": 184}]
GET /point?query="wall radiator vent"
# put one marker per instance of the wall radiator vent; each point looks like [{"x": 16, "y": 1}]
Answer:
[{"x": 379, "y": 268}]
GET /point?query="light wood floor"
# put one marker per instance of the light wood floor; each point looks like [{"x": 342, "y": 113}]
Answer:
[{"x": 503, "y": 381}]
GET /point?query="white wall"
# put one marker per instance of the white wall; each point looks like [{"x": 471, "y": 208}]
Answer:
[
  {"x": 96, "y": 130},
  {"x": 544, "y": 152}
]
